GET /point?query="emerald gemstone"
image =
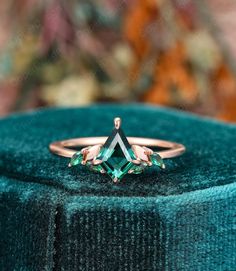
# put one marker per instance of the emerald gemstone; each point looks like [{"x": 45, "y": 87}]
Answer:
[
  {"x": 157, "y": 160},
  {"x": 117, "y": 155},
  {"x": 76, "y": 159},
  {"x": 138, "y": 169}
]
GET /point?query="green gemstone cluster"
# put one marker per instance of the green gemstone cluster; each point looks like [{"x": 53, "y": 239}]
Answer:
[
  {"x": 117, "y": 158},
  {"x": 77, "y": 159}
]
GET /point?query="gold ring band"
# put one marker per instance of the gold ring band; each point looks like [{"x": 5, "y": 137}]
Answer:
[{"x": 65, "y": 147}]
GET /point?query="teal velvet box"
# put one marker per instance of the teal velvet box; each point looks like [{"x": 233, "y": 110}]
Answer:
[{"x": 56, "y": 218}]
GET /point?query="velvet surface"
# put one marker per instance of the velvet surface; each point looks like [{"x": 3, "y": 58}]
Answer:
[
  {"x": 209, "y": 161},
  {"x": 55, "y": 218}
]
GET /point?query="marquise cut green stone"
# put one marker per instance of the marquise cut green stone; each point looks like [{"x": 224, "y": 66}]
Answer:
[
  {"x": 137, "y": 170},
  {"x": 76, "y": 159},
  {"x": 117, "y": 155},
  {"x": 157, "y": 160}
]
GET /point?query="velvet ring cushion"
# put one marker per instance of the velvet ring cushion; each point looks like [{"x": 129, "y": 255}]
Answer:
[{"x": 53, "y": 218}]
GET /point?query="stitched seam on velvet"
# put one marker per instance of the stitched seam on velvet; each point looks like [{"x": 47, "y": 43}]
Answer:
[{"x": 56, "y": 239}]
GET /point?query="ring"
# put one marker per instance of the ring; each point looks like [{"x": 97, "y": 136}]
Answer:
[{"x": 117, "y": 155}]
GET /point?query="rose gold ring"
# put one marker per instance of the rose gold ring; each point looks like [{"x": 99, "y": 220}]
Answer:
[{"x": 117, "y": 155}]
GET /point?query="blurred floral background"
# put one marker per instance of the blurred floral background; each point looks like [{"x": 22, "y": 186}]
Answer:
[{"x": 177, "y": 53}]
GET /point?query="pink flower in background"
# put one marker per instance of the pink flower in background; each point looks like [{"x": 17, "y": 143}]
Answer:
[{"x": 57, "y": 27}]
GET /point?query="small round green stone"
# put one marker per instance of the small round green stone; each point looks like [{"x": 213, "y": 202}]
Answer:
[
  {"x": 157, "y": 160},
  {"x": 76, "y": 159}
]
